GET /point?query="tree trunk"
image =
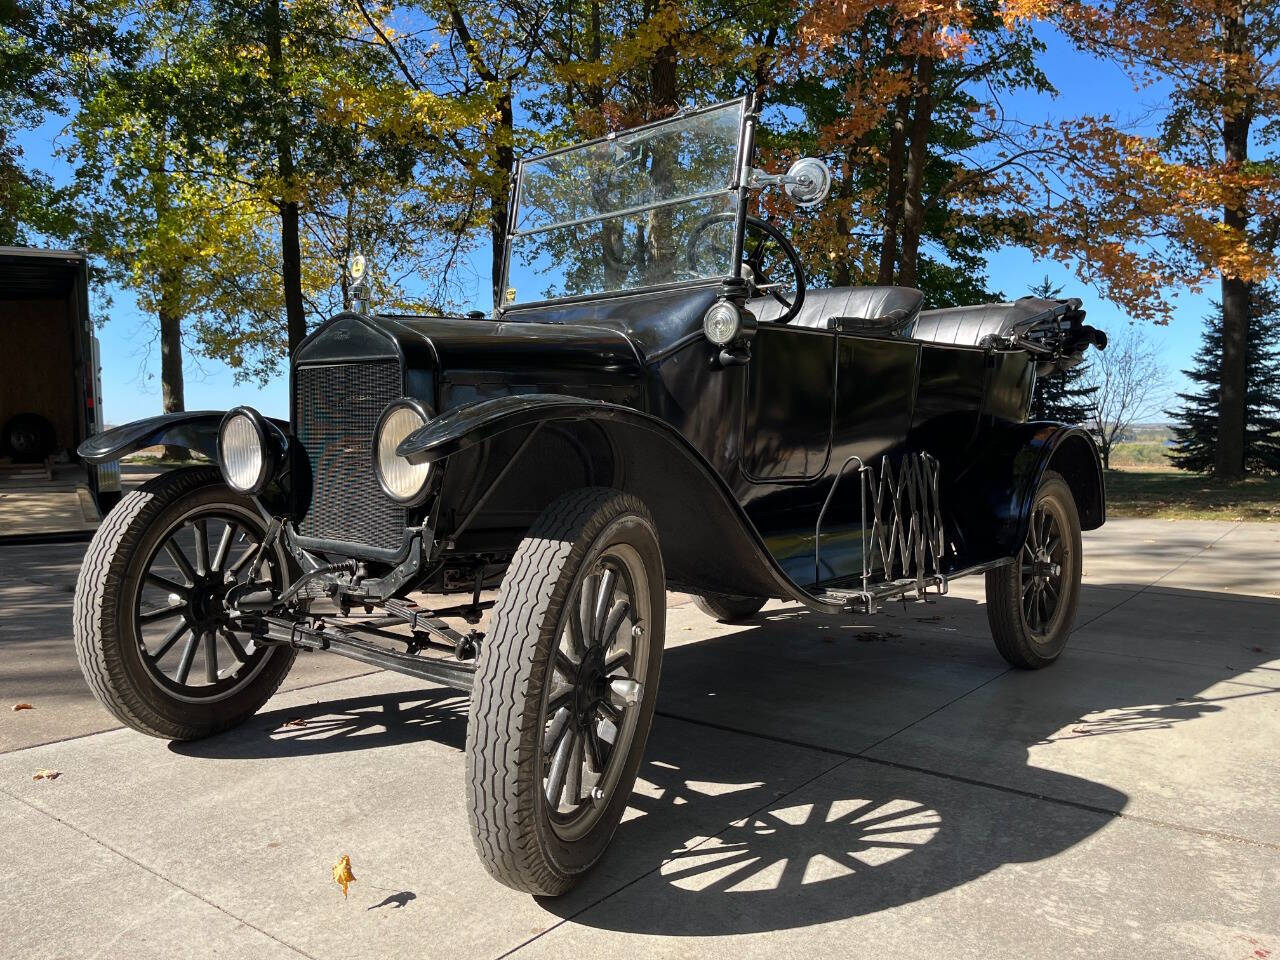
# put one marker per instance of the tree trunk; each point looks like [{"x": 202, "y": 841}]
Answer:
[
  {"x": 913, "y": 205},
  {"x": 1229, "y": 462},
  {"x": 171, "y": 385},
  {"x": 663, "y": 100},
  {"x": 290, "y": 246},
  {"x": 504, "y": 160},
  {"x": 893, "y": 193}
]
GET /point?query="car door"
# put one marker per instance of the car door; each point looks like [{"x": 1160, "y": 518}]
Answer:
[{"x": 789, "y": 404}]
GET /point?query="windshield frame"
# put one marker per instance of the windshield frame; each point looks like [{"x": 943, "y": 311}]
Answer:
[{"x": 748, "y": 117}]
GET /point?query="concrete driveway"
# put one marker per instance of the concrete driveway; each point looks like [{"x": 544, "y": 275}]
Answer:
[{"x": 813, "y": 787}]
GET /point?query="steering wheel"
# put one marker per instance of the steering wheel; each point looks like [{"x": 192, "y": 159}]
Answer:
[{"x": 754, "y": 256}]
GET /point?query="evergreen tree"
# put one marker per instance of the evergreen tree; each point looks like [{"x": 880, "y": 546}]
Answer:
[
  {"x": 1196, "y": 429},
  {"x": 1061, "y": 397}
]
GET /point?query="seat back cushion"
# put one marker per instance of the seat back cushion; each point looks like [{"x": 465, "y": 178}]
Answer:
[
  {"x": 821, "y": 307},
  {"x": 969, "y": 326}
]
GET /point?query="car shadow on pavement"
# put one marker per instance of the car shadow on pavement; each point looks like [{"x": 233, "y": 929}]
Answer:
[{"x": 854, "y": 834}]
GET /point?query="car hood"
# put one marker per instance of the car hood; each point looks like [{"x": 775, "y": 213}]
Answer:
[{"x": 465, "y": 347}]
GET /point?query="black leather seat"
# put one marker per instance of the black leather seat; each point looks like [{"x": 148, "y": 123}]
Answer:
[
  {"x": 971, "y": 325},
  {"x": 822, "y": 307}
]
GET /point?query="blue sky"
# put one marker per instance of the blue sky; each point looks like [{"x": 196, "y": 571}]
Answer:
[{"x": 130, "y": 355}]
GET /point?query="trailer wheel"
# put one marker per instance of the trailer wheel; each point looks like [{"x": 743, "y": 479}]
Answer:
[
  {"x": 565, "y": 689},
  {"x": 151, "y": 628},
  {"x": 1031, "y": 603},
  {"x": 727, "y": 609}
]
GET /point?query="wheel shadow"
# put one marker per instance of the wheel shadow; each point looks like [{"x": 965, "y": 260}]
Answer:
[{"x": 339, "y": 726}]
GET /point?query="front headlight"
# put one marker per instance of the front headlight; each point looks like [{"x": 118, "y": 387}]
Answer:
[
  {"x": 244, "y": 453},
  {"x": 400, "y": 480},
  {"x": 722, "y": 323}
]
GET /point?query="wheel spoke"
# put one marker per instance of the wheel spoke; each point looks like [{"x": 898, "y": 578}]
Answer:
[
  {"x": 161, "y": 613},
  {"x": 610, "y": 710},
  {"x": 595, "y": 749},
  {"x": 202, "y": 544},
  {"x": 188, "y": 654},
  {"x": 604, "y": 597},
  {"x": 167, "y": 644},
  {"x": 244, "y": 558},
  {"x": 211, "y": 657},
  {"x": 1051, "y": 594},
  {"x": 172, "y": 586},
  {"x": 234, "y": 644},
  {"x": 559, "y": 699},
  {"x": 586, "y": 612},
  {"x": 613, "y": 621},
  {"x": 555, "y": 732},
  {"x": 180, "y": 559},
  {"x": 620, "y": 660},
  {"x": 560, "y": 766},
  {"x": 224, "y": 546},
  {"x": 577, "y": 760},
  {"x": 565, "y": 664}
]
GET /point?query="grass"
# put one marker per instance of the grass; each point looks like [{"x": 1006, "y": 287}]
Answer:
[{"x": 1176, "y": 495}]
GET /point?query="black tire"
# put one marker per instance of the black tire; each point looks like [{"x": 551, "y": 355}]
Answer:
[
  {"x": 29, "y": 438},
  {"x": 520, "y": 834},
  {"x": 108, "y": 600},
  {"x": 1031, "y": 603},
  {"x": 727, "y": 609}
]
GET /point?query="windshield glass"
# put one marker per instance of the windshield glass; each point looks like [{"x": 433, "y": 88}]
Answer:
[{"x": 639, "y": 209}]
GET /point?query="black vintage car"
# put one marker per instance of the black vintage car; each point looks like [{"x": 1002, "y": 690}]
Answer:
[{"x": 659, "y": 402}]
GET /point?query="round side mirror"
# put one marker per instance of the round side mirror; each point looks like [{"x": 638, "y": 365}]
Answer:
[{"x": 808, "y": 181}]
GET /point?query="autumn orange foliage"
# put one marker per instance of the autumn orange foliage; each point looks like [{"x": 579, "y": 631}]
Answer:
[{"x": 1141, "y": 213}]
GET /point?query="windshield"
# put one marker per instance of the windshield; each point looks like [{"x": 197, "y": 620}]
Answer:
[{"x": 645, "y": 208}]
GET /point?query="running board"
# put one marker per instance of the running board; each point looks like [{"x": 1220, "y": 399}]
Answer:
[
  {"x": 868, "y": 600},
  {"x": 451, "y": 673}
]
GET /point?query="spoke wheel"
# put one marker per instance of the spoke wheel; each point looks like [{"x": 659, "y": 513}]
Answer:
[
  {"x": 189, "y": 644},
  {"x": 151, "y": 629},
  {"x": 565, "y": 688},
  {"x": 1041, "y": 570},
  {"x": 598, "y": 672},
  {"x": 1031, "y": 603}
]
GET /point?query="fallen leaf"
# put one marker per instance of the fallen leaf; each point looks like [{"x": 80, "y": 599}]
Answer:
[
  {"x": 342, "y": 874},
  {"x": 47, "y": 775},
  {"x": 23, "y": 706},
  {"x": 295, "y": 722}
]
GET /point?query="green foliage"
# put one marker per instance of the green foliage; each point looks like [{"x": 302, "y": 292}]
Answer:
[
  {"x": 1196, "y": 418},
  {"x": 29, "y": 91}
]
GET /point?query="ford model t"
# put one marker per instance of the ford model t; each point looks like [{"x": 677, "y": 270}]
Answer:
[{"x": 659, "y": 402}]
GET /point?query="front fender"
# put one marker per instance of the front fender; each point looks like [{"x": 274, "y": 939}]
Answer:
[
  {"x": 708, "y": 543},
  {"x": 475, "y": 423},
  {"x": 196, "y": 430},
  {"x": 997, "y": 494}
]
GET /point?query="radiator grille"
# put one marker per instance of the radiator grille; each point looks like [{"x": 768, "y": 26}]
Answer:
[{"x": 337, "y": 408}]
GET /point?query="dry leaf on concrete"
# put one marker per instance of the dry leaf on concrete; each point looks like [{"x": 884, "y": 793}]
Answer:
[
  {"x": 342, "y": 874},
  {"x": 47, "y": 775},
  {"x": 22, "y": 706}
]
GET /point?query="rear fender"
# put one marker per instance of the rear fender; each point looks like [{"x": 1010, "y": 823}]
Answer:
[
  {"x": 709, "y": 545},
  {"x": 996, "y": 495}
]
